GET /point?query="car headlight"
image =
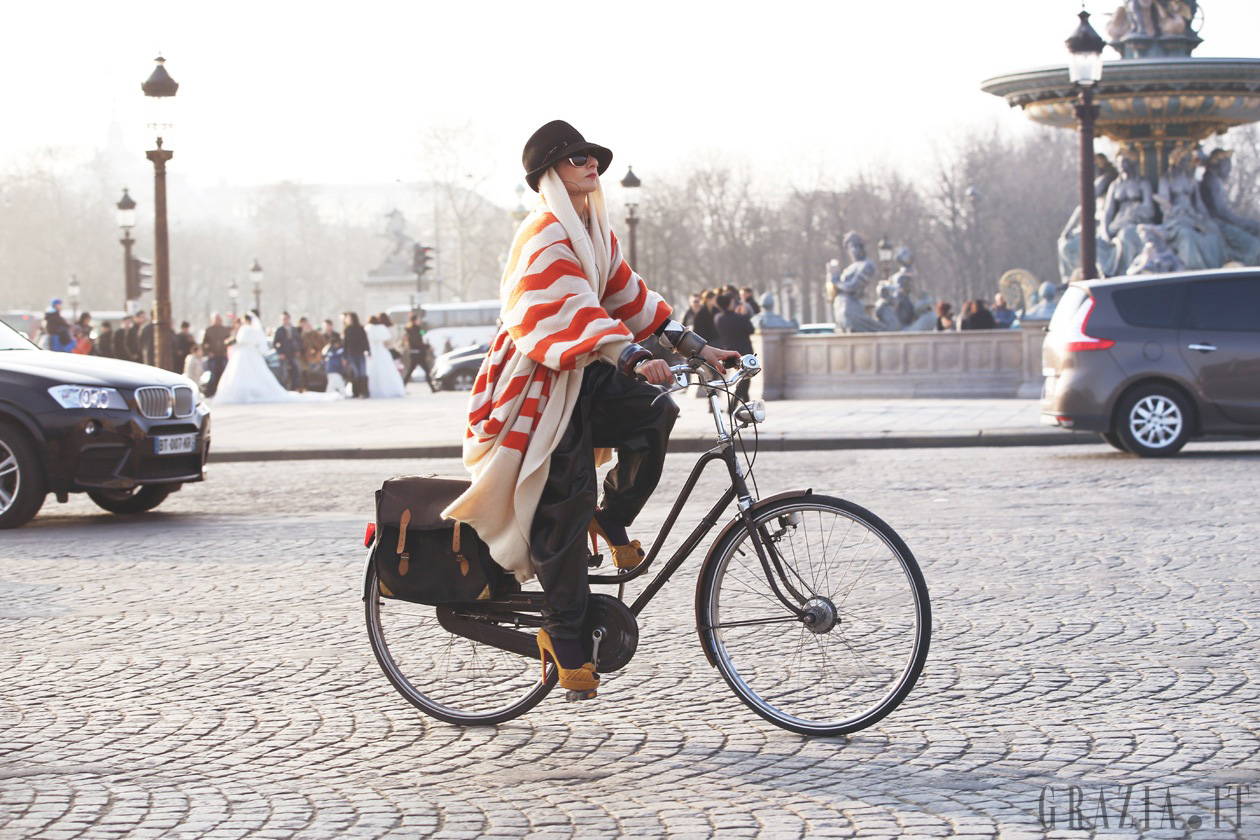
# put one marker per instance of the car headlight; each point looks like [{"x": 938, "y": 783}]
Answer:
[{"x": 83, "y": 396}]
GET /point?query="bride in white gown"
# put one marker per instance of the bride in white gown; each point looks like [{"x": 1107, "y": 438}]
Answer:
[
  {"x": 247, "y": 379},
  {"x": 384, "y": 380}
]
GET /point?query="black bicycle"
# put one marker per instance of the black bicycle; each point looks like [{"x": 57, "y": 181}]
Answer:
[{"x": 812, "y": 608}]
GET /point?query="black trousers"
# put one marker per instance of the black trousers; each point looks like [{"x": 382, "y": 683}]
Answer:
[{"x": 612, "y": 410}]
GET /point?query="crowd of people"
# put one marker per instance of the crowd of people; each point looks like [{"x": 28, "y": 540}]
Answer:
[
  {"x": 229, "y": 361},
  {"x": 976, "y": 315},
  {"x": 372, "y": 360},
  {"x": 723, "y": 318}
]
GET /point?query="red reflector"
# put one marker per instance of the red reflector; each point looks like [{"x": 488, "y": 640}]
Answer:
[
  {"x": 371, "y": 533},
  {"x": 1094, "y": 344},
  {"x": 1065, "y": 422}
]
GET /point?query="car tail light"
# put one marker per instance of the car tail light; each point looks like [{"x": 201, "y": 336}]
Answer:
[
  {"x": 1075, "y": 339},
  {"x": 371, "y": 533}
]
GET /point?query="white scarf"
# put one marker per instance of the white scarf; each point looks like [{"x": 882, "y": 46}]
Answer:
[{"x": 596, "y": 261}]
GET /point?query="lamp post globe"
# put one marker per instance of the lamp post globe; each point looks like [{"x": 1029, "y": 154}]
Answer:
[
  {"x": 885, "y": 251},
  {"x": 234, "y": 294},
  {"x": 160, "y": 89},
  {"x": 126, "y": 214},
  {"x": 519, "y": 214},
  {"x": 1085, "y": 70}
]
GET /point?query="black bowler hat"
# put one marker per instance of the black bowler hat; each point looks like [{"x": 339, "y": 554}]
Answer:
[{"x": 554, "y": 142}]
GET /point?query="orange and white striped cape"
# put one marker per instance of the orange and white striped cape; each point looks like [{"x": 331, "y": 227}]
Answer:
[{"x": 561, "y": 311}]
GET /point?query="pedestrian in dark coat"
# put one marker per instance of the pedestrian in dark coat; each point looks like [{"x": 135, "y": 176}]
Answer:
[
  {"x": 734, "y": 330},
  {"x": 356, "y": 347}
]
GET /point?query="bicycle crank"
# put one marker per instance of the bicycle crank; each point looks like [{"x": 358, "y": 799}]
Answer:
[{"x": 612, "y": 632}]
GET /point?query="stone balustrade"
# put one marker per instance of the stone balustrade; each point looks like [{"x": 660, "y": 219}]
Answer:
[{"x": 978, "y": 363}]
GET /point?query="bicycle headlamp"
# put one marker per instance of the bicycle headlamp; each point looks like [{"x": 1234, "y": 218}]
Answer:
[{"x": 751, "y": 413}]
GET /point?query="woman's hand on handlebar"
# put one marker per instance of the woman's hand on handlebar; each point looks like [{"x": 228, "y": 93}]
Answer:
[
  {"x": 715, "y": 356},
  {"x": 655, "y": 371}
]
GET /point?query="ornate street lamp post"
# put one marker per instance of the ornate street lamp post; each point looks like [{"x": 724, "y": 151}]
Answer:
[
  {"x": 72, "y": 293},
  {"x": 519, "y": 214},
  {"x": 234, "y": 294},
  {"x": 160, "y": 87},
  {"x": 1085, "y": 70},
  {"x": 256, "y": 275},
  {"x": 126, "y": 220},
  {"x": 631, "y": 183}
]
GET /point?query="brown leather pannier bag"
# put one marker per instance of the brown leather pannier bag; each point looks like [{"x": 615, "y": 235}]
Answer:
[{"x": 421, "y": 557}]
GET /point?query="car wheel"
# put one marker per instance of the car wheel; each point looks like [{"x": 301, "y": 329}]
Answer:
[
  {"x": 460, "y": 381},
  {"x": 23, "y": 486},
  {"x": 1114, "y": 440},
  {"x": 138, "y": 500},
  {"x": 1154, "y": 421}
]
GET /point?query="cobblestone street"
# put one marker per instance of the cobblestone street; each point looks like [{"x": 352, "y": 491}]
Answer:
[{"x": 204, "y": 671}]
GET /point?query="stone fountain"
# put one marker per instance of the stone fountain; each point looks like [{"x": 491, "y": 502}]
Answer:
[{"x": 1159, "y": 104}]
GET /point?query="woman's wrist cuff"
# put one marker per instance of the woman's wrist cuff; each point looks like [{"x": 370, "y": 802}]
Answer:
[{"x": 633, "y": 356}]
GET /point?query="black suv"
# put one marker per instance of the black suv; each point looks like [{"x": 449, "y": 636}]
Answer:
[
  {"x": 126, "y": 434},
  {"x": 1151, "y": 361}
]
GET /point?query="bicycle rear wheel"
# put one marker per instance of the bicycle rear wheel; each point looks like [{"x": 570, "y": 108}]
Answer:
[
  {"x": 445, "y": 675},
  {"x": 864, "y": 645}
]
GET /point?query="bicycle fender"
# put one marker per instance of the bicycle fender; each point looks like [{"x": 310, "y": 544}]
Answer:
[{"x": 735, "y": 522}]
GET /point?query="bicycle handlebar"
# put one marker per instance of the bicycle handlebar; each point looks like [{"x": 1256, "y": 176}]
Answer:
[{"x": 689, "y": 373}]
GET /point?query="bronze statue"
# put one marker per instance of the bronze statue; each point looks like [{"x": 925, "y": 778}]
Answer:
[
  {"x": 1130, "y": 202},
  {"x": 1156, "y": 256},
  {"x": 1070, "y": 238},
  {"x": 1189, "y": 231},
  {"x": 847, "y": 288},
  {"x": 1242, "y": 235}
]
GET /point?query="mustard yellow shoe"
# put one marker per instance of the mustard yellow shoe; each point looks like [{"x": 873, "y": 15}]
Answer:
[
  {"x": 582, "y": 679},
  {"x": 627, "y": 556}
]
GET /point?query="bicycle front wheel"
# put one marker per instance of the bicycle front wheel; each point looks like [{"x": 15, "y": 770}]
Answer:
[
  {"x": 445, "y": 675},
  {"x": 862, "y": 643}
]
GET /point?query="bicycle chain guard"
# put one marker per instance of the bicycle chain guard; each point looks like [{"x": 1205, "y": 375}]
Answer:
[{"x": 491, "y": 623}]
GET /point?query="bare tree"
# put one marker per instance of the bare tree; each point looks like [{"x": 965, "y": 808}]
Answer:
[{"x": 468, "y": 231}]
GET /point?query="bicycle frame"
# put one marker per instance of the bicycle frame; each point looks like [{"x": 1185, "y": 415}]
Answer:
[
  {"x": 738, "y": 489},
  {"x": 522, "y": 610}
]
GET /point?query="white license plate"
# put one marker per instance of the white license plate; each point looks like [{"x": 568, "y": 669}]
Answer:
[{"x": 174, "y": 444}]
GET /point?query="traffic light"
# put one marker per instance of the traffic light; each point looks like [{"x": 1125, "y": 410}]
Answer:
[
  {"x": 421, "y": 259},
  {"x": 139, "y": 273}
]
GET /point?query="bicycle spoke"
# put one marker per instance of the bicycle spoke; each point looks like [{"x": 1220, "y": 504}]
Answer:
[
  {"x": 752, "y": 621},
  {"x": 866, "y": 645},
  {"x": 444, "y": 674}
]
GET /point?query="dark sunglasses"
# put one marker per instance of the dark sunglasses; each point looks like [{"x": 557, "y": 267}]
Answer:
[{"x": 581, "y": 160}]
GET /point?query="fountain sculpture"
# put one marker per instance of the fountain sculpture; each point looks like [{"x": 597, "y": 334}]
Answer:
[{"x": 1158, "y": 103}]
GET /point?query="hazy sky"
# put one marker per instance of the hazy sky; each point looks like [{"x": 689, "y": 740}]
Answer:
[{"x": 318, "y": 92}]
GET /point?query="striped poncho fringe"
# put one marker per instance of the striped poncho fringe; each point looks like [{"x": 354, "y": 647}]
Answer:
[{"x": 555, "y": 322}]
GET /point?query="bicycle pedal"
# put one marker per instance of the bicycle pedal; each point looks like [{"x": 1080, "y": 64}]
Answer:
[
  {"x": 594, "y": 561},
  {"x": 579, "y": 695}
]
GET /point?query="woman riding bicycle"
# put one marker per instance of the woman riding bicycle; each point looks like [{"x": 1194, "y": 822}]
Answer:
[{"x": 560, "y": 381}]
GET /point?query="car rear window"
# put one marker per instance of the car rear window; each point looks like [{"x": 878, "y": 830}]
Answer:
[
  {"x": 1232, "y": 305},
  {"x": 1071, "y": 301},
  {"x": 1150, "y": 306}
]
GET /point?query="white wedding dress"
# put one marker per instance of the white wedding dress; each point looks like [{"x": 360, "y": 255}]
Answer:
[
  {"x": 247, "y": 379},
  {"x": 384, "y": 380}
]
